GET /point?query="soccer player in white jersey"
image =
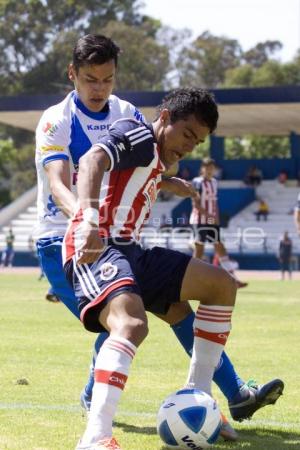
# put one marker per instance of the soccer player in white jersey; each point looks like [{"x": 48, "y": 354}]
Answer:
[
  {"x": 205, "y": 217},
  {"x": 114, "y": 279},
  {"x": 65, "y": 132}
]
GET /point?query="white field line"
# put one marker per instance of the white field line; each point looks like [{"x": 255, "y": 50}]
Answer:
[{"x": 75, "y": 408}]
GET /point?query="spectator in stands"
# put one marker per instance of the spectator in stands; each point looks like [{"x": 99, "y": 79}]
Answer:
[
  {"x": 253, "y": 176},
  {"x": 8, "y": 253},
  {"x": 31, "y": 246},
  {"x": 285, "y": 255},
  {"x": 262, "y": 211},
  {"x": 282, "y": 177},
  {"x": 183, "y": 221},
  {"x": 185, "y": 173}
]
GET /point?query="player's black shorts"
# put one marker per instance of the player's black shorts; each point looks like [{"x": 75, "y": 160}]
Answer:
[
  {"x": 207, "y": 233},
  {"x": 155, "y": 274}
]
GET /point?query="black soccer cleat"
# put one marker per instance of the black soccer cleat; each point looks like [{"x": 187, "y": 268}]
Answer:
[{"x": 258, "y": 396}]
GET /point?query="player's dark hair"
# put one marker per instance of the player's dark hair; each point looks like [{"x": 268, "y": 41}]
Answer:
[
  {"x": 183, "y": 102},
  {"x": 94, "y": 49}
]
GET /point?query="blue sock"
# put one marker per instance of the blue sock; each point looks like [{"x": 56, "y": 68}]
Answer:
[
  {"x": 184, "y": 332},
  {"x": 227, "y": 379},
  {"x": 98, "y": 343},
  {"x": 225, "y": 376}
]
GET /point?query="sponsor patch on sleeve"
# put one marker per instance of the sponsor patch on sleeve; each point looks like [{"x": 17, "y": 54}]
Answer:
[
  {"x": 52, "y": 148},
  {"x": 49, "y": 128}
]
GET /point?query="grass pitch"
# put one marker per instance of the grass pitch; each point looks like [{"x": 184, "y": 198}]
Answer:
[{"x": 43, "y": 344}]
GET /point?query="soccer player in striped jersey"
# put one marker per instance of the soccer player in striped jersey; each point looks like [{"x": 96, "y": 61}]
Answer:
[
  {"x": 114, "y": 279},
  {"x": 65, "y": 132},
  {"x": 205, "y": 217}
]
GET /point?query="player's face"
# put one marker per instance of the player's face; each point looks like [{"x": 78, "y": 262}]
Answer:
[
  {"x": 208, "y": 171},
  {"x": 94, "y": 83},
  {"x": 178, "y": 139}
]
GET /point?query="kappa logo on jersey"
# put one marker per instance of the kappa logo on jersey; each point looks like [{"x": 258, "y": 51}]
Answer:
[
  {"x": 108, "y": 271},
  {"x": 50, "y": 128},
  {"x": 102, "y": 127}
]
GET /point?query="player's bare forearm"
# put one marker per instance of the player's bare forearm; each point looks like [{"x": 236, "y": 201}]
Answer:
[
  {"x": 178, "y": 186},
  {"x": 92, "y": 166},
  {"x": 65, "y": 200},
  {"x": 58, "y": 173}
]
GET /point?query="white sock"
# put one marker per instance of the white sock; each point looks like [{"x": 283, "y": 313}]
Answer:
[
  {"x": 211, "y": 329},
  {"x": 111, "y": 372},
  {"x": 227, "y": 265}
]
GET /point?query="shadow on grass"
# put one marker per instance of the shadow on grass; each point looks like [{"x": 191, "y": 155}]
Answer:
[
  {"x": 260, "y": 439},
  {"x": 265, "y": 439},
  {"x": 251, "y": 439},
  {"x": 135, "y": 429}
]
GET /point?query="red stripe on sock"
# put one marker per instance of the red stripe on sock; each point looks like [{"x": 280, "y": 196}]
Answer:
[
  {"x": 212, "y": 314},
  {"x": 213, "y": 310},
  {"x": 116, "y": 379},
  {"x": 219, "y": 338},
  {"x": 118, "y": 346},
  {"x": 213, "y": 320}
]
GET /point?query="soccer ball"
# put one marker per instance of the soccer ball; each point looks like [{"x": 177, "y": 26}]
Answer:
[{"x": 190, "y": 419}]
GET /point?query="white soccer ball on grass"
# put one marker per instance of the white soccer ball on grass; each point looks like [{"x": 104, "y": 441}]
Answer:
[{"x": 189, "y": 419}]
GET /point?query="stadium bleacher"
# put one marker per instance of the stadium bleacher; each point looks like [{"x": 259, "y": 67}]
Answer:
[{"x": 244, "y": 234}]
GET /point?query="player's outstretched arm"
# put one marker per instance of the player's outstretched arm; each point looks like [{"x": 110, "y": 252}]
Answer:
[{"x": 179, "y": 187}]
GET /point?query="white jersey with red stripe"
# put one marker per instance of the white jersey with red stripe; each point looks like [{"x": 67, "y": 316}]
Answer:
[
  {"x": 208, "y": 190},
  {"x": 129, "y": 188},
  {"x": 66, "y": 131}
]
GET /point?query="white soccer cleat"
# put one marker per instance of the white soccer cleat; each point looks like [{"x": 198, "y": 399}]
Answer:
[
  {"x": 227, "y": 432},
  {"x": 103, "y": 444}
]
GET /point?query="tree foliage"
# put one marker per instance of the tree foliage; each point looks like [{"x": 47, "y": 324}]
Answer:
[
  {"x": 143, "y": 62},
  {"x": 17, "y": 170},
  {"x": 37, "y": 37},
  {"x": 257, "y": 147},
  {"x": 205, "y": 61},
  {"x": 36, "y": 43},
  {"x": 261, "y": 53}
]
